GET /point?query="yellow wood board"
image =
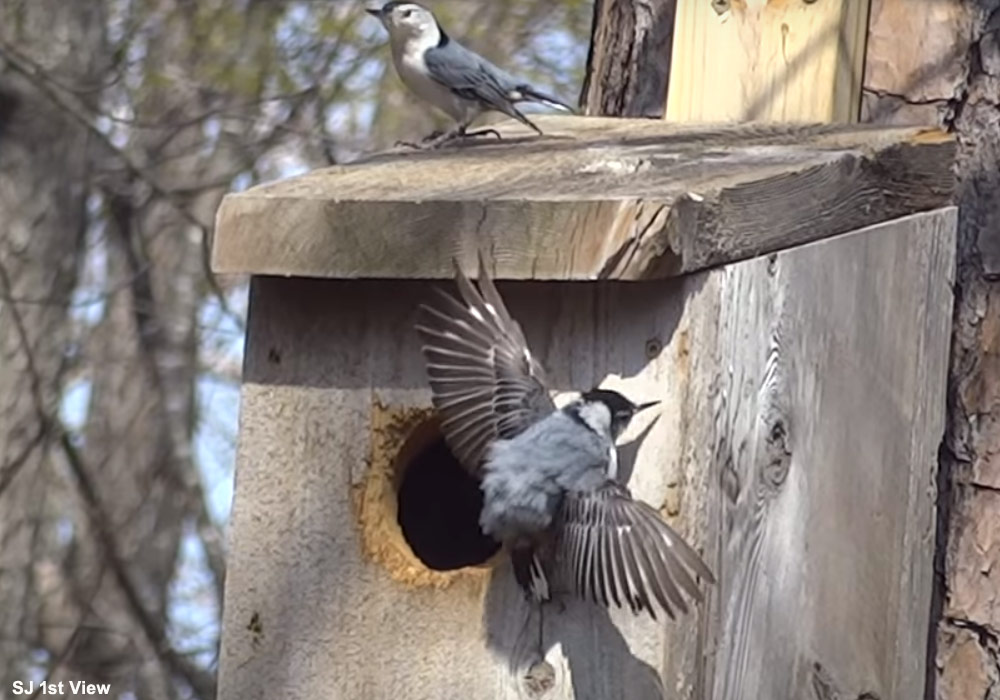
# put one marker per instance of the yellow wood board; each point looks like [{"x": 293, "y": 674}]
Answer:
[{"x": 767, "y": 60}]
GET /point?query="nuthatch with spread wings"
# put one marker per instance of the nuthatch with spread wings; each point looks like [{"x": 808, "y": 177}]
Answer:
[
  {"x": 457, "y": 81},
  {"x": 549, "y": 477}
]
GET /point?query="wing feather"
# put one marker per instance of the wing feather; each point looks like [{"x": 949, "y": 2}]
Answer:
[
  {"x": 615, "y": 549},
  {"x": 484, "y": 381},
  {"x": 470, "y": 76}
]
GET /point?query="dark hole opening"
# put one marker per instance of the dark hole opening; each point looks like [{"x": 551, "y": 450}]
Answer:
[{"x": 438, "y": 505}]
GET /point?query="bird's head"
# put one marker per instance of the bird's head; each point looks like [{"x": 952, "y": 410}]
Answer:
[
  {"x": 406, "y": 20},
  {"x": 608, "y": 412}
]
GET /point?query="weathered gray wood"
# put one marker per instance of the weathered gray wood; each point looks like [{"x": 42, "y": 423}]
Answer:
[
  {"x": 802, "y": 408},
  {"x": 596, "y": 198},
  {"x": 826, "y": 430},
  {"x": 331, "y": 367}
]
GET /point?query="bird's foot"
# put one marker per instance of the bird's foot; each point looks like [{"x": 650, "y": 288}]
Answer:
[
  {"x": 462, "y": 134},
  {"x": 555, "y": 602},
  {"x": 442, "y": 138},
  {"x": 438, "y": 138},
  {"x": 483, "y": 132},
  {"x": 432, "y": 140}
]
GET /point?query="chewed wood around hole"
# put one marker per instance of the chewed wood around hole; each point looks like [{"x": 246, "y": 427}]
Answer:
[
  {"x": 417, "y": 508},
  {"x": 438, "y": 503}
]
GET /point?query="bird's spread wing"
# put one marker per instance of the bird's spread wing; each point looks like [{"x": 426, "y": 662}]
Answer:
[
  {"x": 470, "y": 76},
  {"x": 484, "y": 381},
  {"x": 613, "y": 549}
]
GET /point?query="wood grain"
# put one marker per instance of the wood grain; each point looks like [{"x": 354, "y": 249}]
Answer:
[
  {"x": 326, "y": 360},
  {"x": 827, "y": 425},
  {"x": 598, "y": 198},
  {"x": 802, "y": 407},
  {"x": 767, "y": 60}
]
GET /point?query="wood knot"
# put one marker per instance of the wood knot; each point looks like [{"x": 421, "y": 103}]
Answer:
[
  {"x": 823, "y": 685},
  {"x": 779, "y": 455},
  {"x": 539, "y": 679},
  {"x": 256, "y": 629},
  {"x": 730, "y": 481}
]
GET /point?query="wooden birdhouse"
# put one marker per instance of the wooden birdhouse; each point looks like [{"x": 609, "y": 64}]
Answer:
[{"x": 786, "y": 292}]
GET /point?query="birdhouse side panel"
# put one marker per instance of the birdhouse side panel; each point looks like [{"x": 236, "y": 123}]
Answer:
[{"x": 325, "y": 598}]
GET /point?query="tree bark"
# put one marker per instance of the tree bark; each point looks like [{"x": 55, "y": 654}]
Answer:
[
  {"x": 143, "y": 409},
  {"x": 941, "y": 63},
  {"x": 628, "y": 68}
]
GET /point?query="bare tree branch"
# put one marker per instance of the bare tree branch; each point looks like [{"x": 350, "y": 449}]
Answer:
[
  {"x": 9, "y": 471},
  {"x": 44, "y": 84},
  {"x": 200, "y": 681}
]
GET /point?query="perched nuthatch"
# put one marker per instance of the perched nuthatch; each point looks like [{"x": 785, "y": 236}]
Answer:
[
  {"x": 457, "y": 81},
  {"x": 549, "y": 476}
]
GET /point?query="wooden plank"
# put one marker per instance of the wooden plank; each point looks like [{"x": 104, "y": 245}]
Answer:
[
  {"x": 802, "y": 408},
  {"x": 597, "y": 198},
  {"x": 333, "y": 617},
  {"x": 767, "y": 60}
]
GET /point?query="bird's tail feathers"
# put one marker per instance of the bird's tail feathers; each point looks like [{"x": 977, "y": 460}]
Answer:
[{"x": 533, "y": 95}]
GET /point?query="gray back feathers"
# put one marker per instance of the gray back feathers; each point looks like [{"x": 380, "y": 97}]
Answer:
[{"x": 472, "y": 77}]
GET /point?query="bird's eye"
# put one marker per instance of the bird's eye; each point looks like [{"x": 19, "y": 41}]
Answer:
[{"x": 407, "y": 13}]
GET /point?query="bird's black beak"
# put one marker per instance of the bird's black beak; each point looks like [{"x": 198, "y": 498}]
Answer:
[
  {"x": 644, "y": 406},
  {"x": 374, "y": 12}
]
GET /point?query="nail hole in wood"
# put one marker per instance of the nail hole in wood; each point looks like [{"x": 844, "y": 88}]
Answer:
[{"x": 654, "y": 346}]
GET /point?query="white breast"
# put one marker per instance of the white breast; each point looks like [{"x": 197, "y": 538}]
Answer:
[{"x": 412, "y": 70}]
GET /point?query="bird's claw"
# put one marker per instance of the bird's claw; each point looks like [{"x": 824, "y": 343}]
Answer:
[
  {"x": 557, "y": 603},
  {"x": 484, "y": 132},
  {"x": 440, "y": 138}
]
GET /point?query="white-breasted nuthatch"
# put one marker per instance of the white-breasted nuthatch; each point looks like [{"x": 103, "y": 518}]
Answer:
[
  {"x": 457, "y": 81},
  {"x": 549, "y": 478}
]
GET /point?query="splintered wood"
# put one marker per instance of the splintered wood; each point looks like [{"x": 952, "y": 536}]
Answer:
[{"x": 593, "y": 199}]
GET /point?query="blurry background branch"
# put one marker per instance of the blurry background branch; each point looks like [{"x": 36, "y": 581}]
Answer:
[{"x": 122, "y": 124}]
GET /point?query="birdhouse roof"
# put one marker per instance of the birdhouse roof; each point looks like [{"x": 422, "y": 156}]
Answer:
[{"x": 595, "y": 198}]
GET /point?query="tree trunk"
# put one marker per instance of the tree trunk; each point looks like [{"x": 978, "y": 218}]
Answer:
[
  {"x": 940, "y": 62},
  {"x": 628, "y": 68}
]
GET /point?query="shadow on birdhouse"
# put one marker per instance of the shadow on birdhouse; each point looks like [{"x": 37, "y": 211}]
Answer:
[{"x": 418, "y": 508}]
